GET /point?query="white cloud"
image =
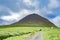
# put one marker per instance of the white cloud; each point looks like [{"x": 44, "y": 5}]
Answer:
[
  {"x": 25, "y": 12},
  {"x": 28, "y": 2},
  {"x": 56, "y": 21},
  {"x": 14, "y": 17},
  {"x": 53, "y": 4},
  {"x": 11, "y": 17},
  {"x": 44, "y": 12},
  {"x": 31, "y": 3}
]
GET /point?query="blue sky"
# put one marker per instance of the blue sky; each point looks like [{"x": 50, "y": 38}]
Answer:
[{"x": 14, "y": 10}]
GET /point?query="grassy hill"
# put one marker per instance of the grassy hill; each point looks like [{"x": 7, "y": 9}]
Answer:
[
  {"x": 28, "y": 26},
  {"x": 33, "y": 20}
]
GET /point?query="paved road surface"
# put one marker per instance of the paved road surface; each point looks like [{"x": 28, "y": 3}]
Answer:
[{"x": 37, "y": 36}]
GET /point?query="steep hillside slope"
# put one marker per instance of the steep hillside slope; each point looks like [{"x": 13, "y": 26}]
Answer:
[{"x": 34, "y": 20}]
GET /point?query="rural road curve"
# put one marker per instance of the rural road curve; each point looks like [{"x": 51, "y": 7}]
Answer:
[{"x": 36, "y": 36}]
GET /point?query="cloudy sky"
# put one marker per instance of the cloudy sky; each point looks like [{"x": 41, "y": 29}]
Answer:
[{"x": 14, "y": 10}]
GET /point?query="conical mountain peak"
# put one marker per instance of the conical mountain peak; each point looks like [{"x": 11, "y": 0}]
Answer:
[{"x": 34, "y": 20}]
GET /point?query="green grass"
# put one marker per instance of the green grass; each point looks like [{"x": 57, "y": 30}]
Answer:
[
  {"x": 21, "y": 33},
  {"x": 16, "y": 31},
  {"x": 52, "y": 34},
  {"x": 19, "y": 37}
]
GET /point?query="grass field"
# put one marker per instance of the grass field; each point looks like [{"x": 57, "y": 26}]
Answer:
[
  {"x": 21, "y": 33},
  {"x": 52, "y": 34}
]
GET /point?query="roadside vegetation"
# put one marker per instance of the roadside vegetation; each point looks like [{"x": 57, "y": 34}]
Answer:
[{"x": 21, "y": 33}]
